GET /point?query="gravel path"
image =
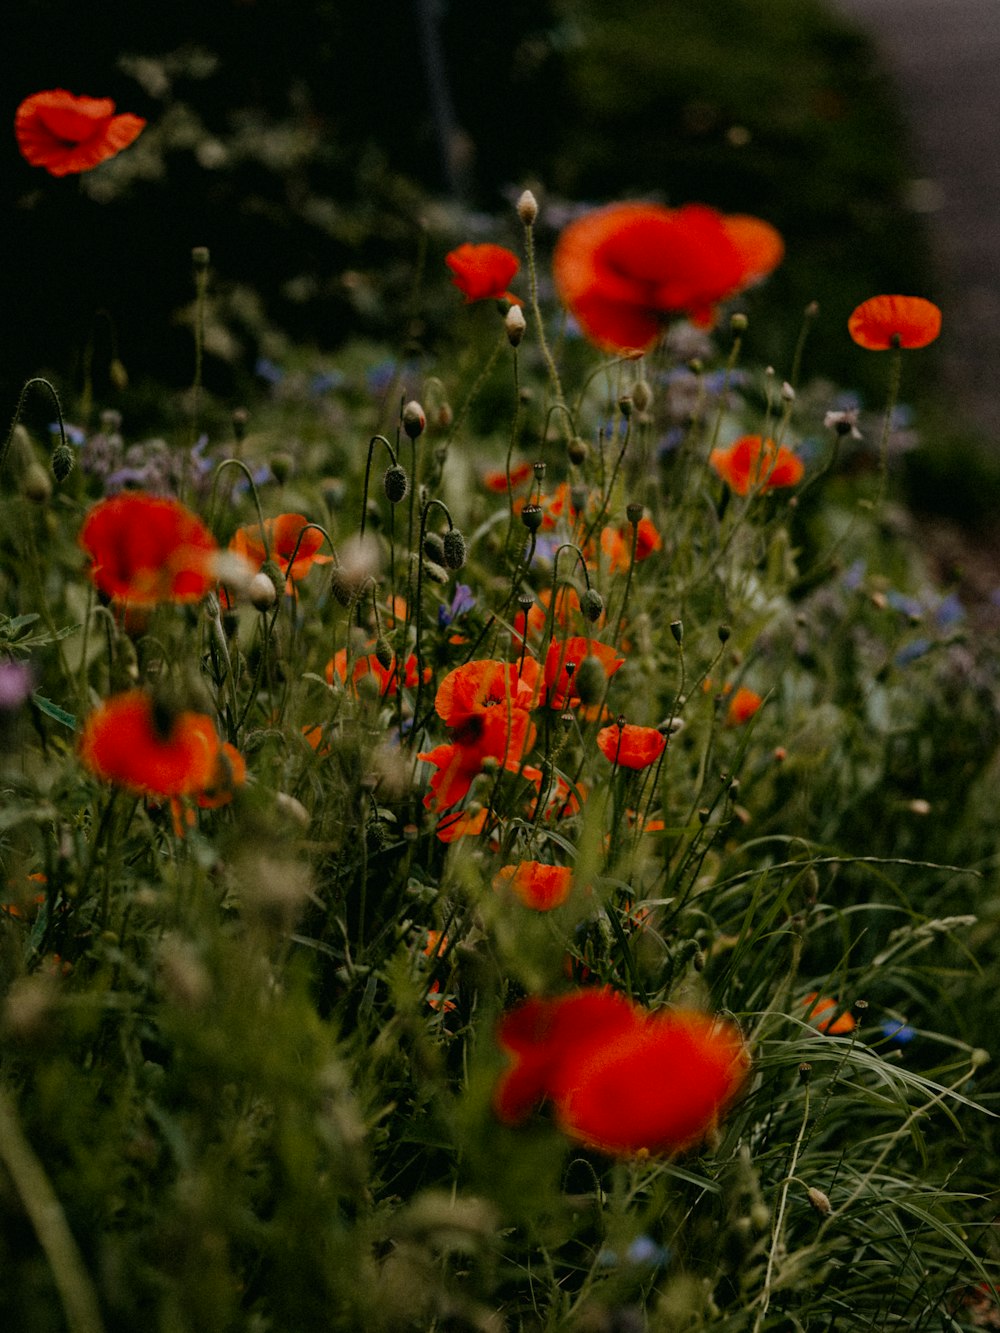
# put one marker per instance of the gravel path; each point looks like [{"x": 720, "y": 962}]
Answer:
[{"x": 945, "y": 56}]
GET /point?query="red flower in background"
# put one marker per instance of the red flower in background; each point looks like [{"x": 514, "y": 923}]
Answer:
[
  {"x": 619, "y": 1077},
  {"x": 563, "y": 660},
  {"x": 622, "y": 269},
  {"x": 132, "y": 743},
  {"x": 67, "y": 134},
  {"x": 536, "y": 885},
  {"x": 283, "y": 542},
  {"x": 616, "y": 543},
  {"x": 482, "y": 272},
  {"x": 834, "y": 1025},
  {"x": 631, "y": 746},
  {"x": 742, "y": 706},
  {"x": 386, "y": 678},
  {"x": 146, "y": 549},
  {"x": 751, "y": 461},
  {"x": 884, "y": 322}
]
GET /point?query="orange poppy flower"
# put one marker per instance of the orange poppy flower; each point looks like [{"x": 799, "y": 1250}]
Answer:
[
  {"x": 538, "y": 886},
  {"x": 884, "y": 322},
  {"x": 461, "y": 824},
  {"x": 282, "y": 534},
  {"x": 616, "y": 543},
  {"x": 458, "y": 764},
  {"x": 750, "y": 462},
  {"x": 835, "y": 1025},
  {"x": 386, "y": 678},
  {"x": 742, "y": 706},
  {"x": 631, "y": 746},
  {"x": 561, "y": 663},
  {"x": 620, "y": 1078},
  {"x": 126, "y": 741},
  {"x": 470, "y": 694},
  {"x": 67, "y": 134},
  {"x": 229, "y": 773},
  {"x": 482, "y": 272},
  {"x": 497, "y": 480},
  {"x": 622, "y": 269},
  {"x": 146, "y": 549}
]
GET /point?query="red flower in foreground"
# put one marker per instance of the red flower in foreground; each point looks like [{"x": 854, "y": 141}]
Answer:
[
  {"x": 538, "y": 886},
  {"x": 742, "y": 706},
  {"x": 283, "y": 542},
  {"x": 66, "y": 134},
  {"x": 130, "y": 741},
  {"x": 146, "y": 549},
  {"x": 622, "y": 269},
  {"x": 619, "y": 1077},
  {"x": 631, "y": 746},
  {"x": 751, "y": 461},
  {"x": 884, "y": 322},
  {"x": 482, "y": 272}
]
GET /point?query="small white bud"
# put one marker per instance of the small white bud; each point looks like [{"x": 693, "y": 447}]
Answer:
[
  {"x": 527, "y": 208},
  {"x": 515, "y": 324}
]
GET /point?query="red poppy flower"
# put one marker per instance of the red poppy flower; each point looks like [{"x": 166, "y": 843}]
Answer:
[
  {"x": 751, "y": 462},
  {"x": 497, "y": 480},
  {"x": 230, "y": 772},
  {"x": 742, "y": 706},
  {"x": 884, "y": 322},
  {"x": 622, "y": 269},
  {"x": 458, "y": 764},
  {"x": 631, "y": 746},
  {"x": 616, "y": 543},
  {"x": 835, "y": 1025},
  {"x": 619, "y": 1078},
  {"x": 283, "y": 535},
  {"x": 386, "y": 678},
  {"x": 538, "y": 886},
  {"x": 66, "y": 134},
  {"x": 146, "y": 549},
  {"x": 564, "y": 658},
  {"x": 477, "y": 697},
  {"x": 132, "y": 743},
  {"x": 482, "y": 272}
]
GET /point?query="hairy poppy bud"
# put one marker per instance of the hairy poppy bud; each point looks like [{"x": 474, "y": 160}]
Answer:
[
  {"x": 396, "y": 484},
  {"x": 454, "y": 549},
  {"x": 642, "y": 395},
  {"x": 589, "y": 681},
  {"x": 342, "y": 588},
  {"x": 383, "y": 652},
  {"x": 262, "y": 592},
  {"x": 62, "y": 461},
  {"x": 527, "y": 208},
  {"x": 516, "y": 325},
  {"x": 577, "y": 451},
  {"x": 531, "y": 517},
  {"x": 414, "y": 420},
  {"x": 435, "y": 572},
  {"x": 592, "y": 605},
  {"x": 820, "y": 1201},
  {"x": 434, "y": 547}
]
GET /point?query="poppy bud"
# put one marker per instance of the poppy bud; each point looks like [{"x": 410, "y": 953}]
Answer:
[
  {"x": 274, "y": 572},
  {"x": 263, "y": 594},
  {"x": 454, "y": 549},
  {"x": 805, "y": 1072},
  {"x": 342, "y": 588},
  {"x": 589, "y": 681},
  {"x": 241, "y": 418},
  {"x": 414, "y": 420},
  {"x": 738, "y": 323},
  {"x": 787, "y": 392},
  {"x": 516, "y": 325},
  {"x": 281, "y": 467},
  {"x": 396, "y": 484},
  {"x": 592, "y": 605},
  {"x": 677, "y": 630},
  {"x": 577, "y": 451},
  {"x": 435, "y": 572},
  {"x": 527, "y": 208},
  {"x": 625, "y": 405},
  {"x": 820, "y": 1201},
  {"x": 531, "y": 517},
  {"x": 383, "y": 652},
  {"x": 62, "y": 461},
  {"x": 118, "y": 375},
  {"x": 36, "y": 484},
  {"x": 724, "y": 633},
  {"x": 200, "y": 257},
  {"x": 434, "y": 547},
  {"x": 642, "y": 395}
]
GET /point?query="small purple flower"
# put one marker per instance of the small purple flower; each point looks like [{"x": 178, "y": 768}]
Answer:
[
  {"x": 462, "y": 601},
  {"x": 268, "y": 371},
  {"x": 15, "y": 685}
]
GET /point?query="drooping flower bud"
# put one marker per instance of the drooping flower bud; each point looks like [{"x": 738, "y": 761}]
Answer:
[
  {"x": 642, "y": 395},
  {"x": 383, "y": 652},
  {"x": 577, "y": 451},
  {"x": 592, "y": 605},
  {"x": 396, "y": 484},
  {"x": 62, "y": 461},
  {"x": 434, "y": 547},
  {"x": 454, "y": 549}
]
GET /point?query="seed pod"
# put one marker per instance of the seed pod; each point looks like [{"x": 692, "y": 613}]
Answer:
[
  {"x": 454, "y": 549},
  {"x": 633, "y": 512},
  {"x": 396, "y": 484},
  {"x": 531, "y": 517}
]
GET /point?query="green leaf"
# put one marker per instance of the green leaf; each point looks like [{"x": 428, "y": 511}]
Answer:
[{"x": 52, "y": 710}]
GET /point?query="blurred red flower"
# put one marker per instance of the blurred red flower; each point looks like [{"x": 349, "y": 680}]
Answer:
[
  {"x": 622, "y": 269},
  {"x": 616, "y": 543},
  {"x": 742, "y": 706},
  {"x": 386, "y": 678},
  {"x": 282, "y": 535},
  {"x": 67, "y": 134},
  {"x": 835, "y": 1025},
  {"x": 146, "y": 549},
  {"x": 135, "y": 743},
  {"x": 482, "y": 272},
  {"x": 620, "y": 1078},
  {"x": 563, "y": 660},
  {"x": 536, "y": 885},
  {"x": 884, "y": 322},
  {"x": 751, "y": 461},
  {"x": 631, "y": 746}
]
